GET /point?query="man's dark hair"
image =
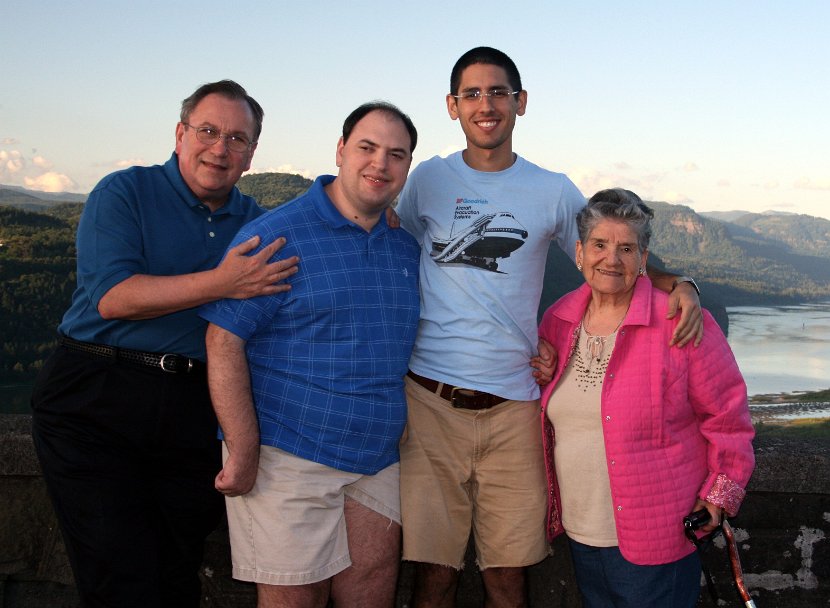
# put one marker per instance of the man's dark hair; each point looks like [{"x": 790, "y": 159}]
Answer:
[
  {"x": 230, "y": 90},
  {"x": 488, "y": 56},
  {"x": 380, "y": 106}
]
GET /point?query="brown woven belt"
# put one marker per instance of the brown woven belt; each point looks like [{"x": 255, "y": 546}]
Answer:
[
  {"x": 173, "y": 364},
  {"x": 462, "y": 398}
]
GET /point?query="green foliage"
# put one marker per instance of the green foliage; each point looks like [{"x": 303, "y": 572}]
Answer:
[
  {"x": 273, "y": 189},
  {"x": 805, "y": 397},
  {"x": 810, "y": 428},
  {"x": 37, "y": 271}
]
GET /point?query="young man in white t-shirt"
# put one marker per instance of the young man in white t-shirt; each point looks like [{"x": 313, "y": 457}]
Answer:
[{"x": 471, "y": 457}]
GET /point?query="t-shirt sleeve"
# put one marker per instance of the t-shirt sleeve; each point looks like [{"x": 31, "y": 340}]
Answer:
[
  {"x": 407, "y": 207},
  {"x": 570, "y": 203}
]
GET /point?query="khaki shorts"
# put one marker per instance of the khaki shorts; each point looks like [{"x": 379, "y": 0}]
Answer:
[
  {"x": 290, "y": 529},
  {"x": 464, "y": 470}
]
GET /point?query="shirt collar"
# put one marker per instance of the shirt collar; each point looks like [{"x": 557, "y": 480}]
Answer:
[{"x": 329, "y": 213}]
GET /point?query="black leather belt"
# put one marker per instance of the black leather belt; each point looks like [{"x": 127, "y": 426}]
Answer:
[
  {"x": 463, "y": 398},
  {"x": 173, "y": 364}
]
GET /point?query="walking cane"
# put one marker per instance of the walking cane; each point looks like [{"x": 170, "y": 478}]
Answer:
[
  {"x": 735, "y": 562},
  {"x": 697, "y": 519}
]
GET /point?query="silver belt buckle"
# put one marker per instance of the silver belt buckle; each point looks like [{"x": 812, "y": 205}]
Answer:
[{"x": 162, "y": 361}]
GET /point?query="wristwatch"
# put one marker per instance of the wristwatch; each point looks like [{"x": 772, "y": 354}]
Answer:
[{"x": 679, "y": 280}]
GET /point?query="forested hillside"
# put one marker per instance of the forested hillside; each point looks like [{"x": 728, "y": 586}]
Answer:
[
  {"x": 37, "y": 272},
  {"x": 742, "y": 265},
  {"x": 272, "y": 189}
]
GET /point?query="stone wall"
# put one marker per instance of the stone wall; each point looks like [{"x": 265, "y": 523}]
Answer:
[{"x": 782, "y": 532}]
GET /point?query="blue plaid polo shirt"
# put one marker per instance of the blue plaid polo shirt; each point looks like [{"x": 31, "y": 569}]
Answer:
[{"x": 327, "y": 358}]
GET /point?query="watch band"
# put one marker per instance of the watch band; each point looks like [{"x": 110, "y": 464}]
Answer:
[{"x": 685, "y": 279}]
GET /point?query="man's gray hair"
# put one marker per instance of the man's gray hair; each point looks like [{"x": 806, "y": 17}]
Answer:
[
  {"x": 620, "y": 205},
  {"x": 230, "y": 90}
]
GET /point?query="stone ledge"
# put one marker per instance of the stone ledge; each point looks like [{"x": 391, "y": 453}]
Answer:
[
  {"x": 783, "y": 531},
  {"x": 17, "y": 453}
]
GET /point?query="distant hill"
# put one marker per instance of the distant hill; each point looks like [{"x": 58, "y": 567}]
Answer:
[
  {"x": 758, "y": 259},
  {"x": 34, "y": 200},
  {"x": 723, "y": 216},
  {"x": 269, "y": 189},
  {"x": 272, "y": 189},
  {"x": 801, "y": 234}
]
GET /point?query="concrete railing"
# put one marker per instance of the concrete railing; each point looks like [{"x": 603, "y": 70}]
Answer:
[{"x": 782, "y": 531}]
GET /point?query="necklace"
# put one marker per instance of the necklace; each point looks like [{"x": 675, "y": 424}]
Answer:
[{"x": 594, "y": 345}]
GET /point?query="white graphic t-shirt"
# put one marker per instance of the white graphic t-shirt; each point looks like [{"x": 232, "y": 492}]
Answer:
[{"x": 484, "y": 240}]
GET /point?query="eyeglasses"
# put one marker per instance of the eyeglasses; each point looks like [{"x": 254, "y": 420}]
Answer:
[
  {"x": 475, "y": 95},
  {"x": 210, "y": 135}
]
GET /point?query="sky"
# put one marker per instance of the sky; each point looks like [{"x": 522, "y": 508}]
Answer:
[{"x": 715, "y": 105}]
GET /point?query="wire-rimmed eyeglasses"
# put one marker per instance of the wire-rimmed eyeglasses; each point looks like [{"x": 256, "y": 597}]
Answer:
[
  {"x": 210, "y": 135},
  {"x": 476, "y": 95}
]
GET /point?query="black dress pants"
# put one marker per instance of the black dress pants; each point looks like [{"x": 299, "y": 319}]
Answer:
[{"x": 129, "y": 455}]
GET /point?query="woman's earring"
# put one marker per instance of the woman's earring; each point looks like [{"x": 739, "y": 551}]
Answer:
[
  {"x": 642, "y": 272},
  {"x": 579, "y": 266}
]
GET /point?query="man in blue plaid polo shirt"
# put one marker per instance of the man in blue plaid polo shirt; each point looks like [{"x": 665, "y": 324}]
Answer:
[{"x": 308, "y": 384}]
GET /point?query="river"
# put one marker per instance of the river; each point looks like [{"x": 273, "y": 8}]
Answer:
[{"x": 782, "y": 349}]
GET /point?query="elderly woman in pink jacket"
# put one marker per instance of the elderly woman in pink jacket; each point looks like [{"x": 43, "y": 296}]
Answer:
[{"x": 637, "y": 434}]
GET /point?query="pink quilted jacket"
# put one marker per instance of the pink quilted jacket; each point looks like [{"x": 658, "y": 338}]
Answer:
[{"x": 676, "y": 424}]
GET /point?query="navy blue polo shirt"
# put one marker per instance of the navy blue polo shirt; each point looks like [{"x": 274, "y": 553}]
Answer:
[
  {"x": 327, "y": 358},
  {"x": 145, "y": 220}
]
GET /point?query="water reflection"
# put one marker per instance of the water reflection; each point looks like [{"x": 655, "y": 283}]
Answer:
[{"x": 782, "y": 348}]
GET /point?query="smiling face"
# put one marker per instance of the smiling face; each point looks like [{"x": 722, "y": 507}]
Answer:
[
  {"x": 374, "y": 163},
  {"x": 211, "y": 171},
  {"x": 487, "y": 122},
  {"x": 610, "y": 258}
]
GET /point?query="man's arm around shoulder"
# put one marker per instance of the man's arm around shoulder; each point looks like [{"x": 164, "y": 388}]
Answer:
[
  {"x": 682, "y": 296},
  {"x": 238, "y": 276}
]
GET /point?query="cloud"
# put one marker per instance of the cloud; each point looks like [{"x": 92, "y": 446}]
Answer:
[
  {"x": 805, "y": 183},
  {"x": 723, "y": 183},
  {"x": 590, "y": 181},
  {"x": 451, "y": 149},
  {"x": 35, "y": 173},
  {"x": 42, "y": 163},
  {"x": 768, "y": 185},
  {"x": 129, "y": 162},
  {"x": 11, "y": 163},
  {"x": 676, "y": 198},
  {"x": 284, "y": 169},
  {"x": 690, "y": 167},
  {"x": 9, "y": 141},
  {"x": 51, "y": 182},
  {"x": 622, "y": 166}
]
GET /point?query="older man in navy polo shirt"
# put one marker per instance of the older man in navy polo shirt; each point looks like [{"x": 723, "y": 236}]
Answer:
[
  {"x": 308, "y": 384},
  {"x": 122, "y": 423}
]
